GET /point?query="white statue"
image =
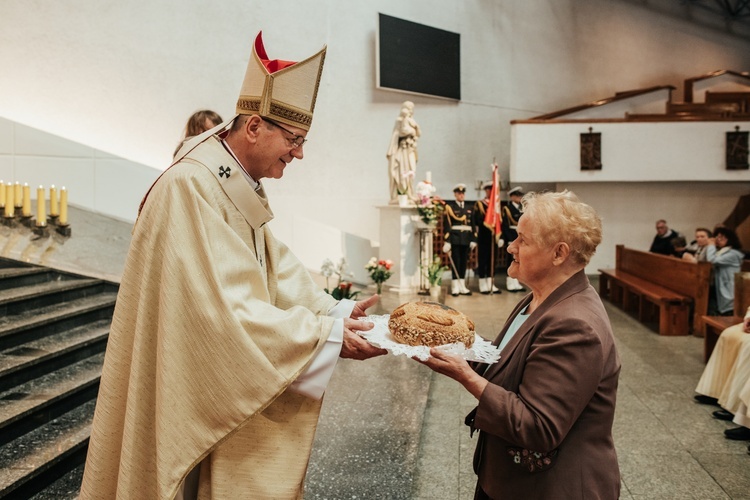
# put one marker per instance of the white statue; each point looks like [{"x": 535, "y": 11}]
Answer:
[{"x": 402, "y": 153}]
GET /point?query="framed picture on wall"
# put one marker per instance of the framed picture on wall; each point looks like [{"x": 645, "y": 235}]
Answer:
[
  {"x": 591, "y": 150},
  {"x": 737, "y": 150}
]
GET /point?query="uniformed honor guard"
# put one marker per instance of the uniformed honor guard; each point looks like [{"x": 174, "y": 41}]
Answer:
[
  {"x": 511, "y": 213},
  {"x": 459, "y": 237},
  {"x": 486, "y": 241}
]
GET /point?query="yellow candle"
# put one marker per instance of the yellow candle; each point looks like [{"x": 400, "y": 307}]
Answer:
[
  {"x": 17, "y": 197},
  {"x": 41, "y": 207},
  {"x": 2, "y": 194},
  {"x": 54, "y": 211},
  {"x": 63, "y": 206},
  {"x": 9, "y": 200},
  {"x": 26, "y": 210}
]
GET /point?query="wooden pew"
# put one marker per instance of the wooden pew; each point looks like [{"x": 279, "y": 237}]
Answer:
[
  {"x": 645, "y": 280},
  {"x": 714, "y": 325}
]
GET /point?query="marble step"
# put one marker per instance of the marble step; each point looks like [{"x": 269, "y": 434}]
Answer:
[
  {"x": 27, "y": 406},
  {"x": 65, "y": 488},
  {"x": 19, "y": 364},
  {"x": 35, "y": 323},
  {"x": 17, "y": 300},
  {"x": 37, "y": 459},
  {"x": 13, "y": 277}
]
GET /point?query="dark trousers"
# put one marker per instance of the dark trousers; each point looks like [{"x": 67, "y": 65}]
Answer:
[{"x": 460, "y": 256}]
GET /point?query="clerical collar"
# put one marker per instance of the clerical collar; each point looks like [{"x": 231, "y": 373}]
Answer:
[{"x": 255, "y": 184}]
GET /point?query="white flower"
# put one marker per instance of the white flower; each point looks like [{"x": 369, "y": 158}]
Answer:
[
  {"x": 327, "y": 268},
  {"x": 425, "y": 190}
]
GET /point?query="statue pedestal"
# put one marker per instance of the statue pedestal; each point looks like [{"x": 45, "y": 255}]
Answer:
[
  {"x": 400, "y": 242},
  {"x": 407, "y": 241}
]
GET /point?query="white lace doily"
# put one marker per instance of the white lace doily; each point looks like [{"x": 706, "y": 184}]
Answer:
[{"x": 380, "y": 336}]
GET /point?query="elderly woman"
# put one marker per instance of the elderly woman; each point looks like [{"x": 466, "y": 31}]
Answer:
[{"x": 545, "y": 410}]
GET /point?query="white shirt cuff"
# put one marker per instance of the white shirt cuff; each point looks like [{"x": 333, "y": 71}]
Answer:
[{"x": 314, "y": 380}]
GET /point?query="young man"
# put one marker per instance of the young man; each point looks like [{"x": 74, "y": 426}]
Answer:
[
  {"x": 459, "y": 237},
  {"x": 221, "y": 345}
]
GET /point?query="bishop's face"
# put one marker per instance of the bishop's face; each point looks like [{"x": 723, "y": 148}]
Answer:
[{"x": 276, "y": 149}]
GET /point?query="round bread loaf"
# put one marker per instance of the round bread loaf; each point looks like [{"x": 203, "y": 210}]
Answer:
[{"x": 430, "y": 324}]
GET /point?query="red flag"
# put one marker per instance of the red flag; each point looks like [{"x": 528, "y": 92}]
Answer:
[{"x": 492, "y": 218}]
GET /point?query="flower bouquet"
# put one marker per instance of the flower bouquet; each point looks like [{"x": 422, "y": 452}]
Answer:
[
  {"x": 380, "y": 271},
  {"x": 429, "y": 206}
]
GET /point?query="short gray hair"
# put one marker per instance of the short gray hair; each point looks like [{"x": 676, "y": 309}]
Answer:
[{"x": 563, "y": 217}]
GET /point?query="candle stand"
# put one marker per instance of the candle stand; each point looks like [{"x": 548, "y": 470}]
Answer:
[
  {"x": 63, "y": 229},
  {"x": 40, "y": 231},
  {"x": 10, "y": 221}
]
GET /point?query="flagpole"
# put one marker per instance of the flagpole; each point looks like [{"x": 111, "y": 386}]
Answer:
[{"x": 493, "y": 241}]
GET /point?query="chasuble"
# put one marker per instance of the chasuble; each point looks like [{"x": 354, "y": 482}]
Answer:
[{"x": 214, "y": 320}]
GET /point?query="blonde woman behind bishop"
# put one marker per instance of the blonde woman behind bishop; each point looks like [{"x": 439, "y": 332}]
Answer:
[{"x": 199, "y": 122}]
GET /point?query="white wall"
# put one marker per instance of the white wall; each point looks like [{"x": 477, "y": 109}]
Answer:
[
  {"x": 122, "y": 78},
  {"x": 631, "y": 151},
  {"x": 95, "y": 180}
]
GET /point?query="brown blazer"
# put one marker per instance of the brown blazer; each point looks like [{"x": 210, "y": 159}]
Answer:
[{"x": 552, "y": 392}]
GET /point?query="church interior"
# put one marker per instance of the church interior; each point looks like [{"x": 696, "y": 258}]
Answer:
[{"x": 641, "y": 108}]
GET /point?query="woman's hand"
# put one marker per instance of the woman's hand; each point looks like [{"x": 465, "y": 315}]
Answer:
[{"x": 458, "y": 369}]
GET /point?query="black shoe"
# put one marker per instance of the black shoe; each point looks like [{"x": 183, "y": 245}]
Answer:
[
  {"x": 723, "y": 415},
  {"x": 738, "y": 434},
  {"x": 485, "y": 293},
  {"x": 706, "y": 400},
  {"x": 467, "y": 293}
]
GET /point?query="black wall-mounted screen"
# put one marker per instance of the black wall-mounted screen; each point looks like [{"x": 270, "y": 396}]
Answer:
[{"x": 417, "y": 58}]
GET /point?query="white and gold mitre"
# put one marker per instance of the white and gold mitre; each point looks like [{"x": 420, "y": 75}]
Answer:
[{"x": 282, "y": 91}]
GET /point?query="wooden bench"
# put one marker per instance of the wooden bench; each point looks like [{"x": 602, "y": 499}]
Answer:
[
  {"x": 714, "y": 325},
  {"x": 651, "y": 283}
]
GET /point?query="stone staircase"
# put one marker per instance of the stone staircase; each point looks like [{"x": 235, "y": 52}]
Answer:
[{"x": 53, "y": 333}]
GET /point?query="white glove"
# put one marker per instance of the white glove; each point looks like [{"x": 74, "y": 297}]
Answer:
[
  {"x": 500, "y": 243},
  {"x": 472, "y": 245},
  {"x": 447, "y": 247}
]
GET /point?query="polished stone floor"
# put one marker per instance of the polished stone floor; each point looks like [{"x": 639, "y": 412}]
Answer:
[{"x": 392, "y": 429}]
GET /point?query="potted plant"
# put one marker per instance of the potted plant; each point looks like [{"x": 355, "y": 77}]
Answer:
[
  {"x": 434, "y": 274},
  {"x": 343, "y": 289}
]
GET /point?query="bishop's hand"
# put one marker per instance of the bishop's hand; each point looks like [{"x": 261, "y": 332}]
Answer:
[{"x": 354, "y": 346}]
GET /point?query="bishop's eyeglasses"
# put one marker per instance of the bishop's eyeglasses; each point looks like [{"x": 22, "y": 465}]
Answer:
[{"x": 296, "y": 140}]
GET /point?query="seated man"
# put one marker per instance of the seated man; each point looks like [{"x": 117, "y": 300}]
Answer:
[
  {"x": 726, "y": 376},
  {"x": 663, "y": 240}
]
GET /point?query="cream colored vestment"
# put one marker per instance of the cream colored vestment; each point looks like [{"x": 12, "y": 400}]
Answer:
[{"x": 214, "y": 320}]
